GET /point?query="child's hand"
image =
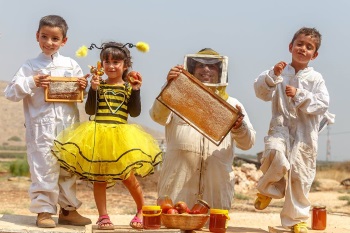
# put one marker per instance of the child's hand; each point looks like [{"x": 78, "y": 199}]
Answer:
[
  {"x": 278, "y": 68},
  {"x": 239, "y": 120},
  {"x": 83, "y": 81},
  {"x": 135, "y": 80},
  {"x": 42, "y": 80},
  {"x": 290, "y": 91},
  {"x": 174, "y": 72},
  {"x": 95, "y": 82}
]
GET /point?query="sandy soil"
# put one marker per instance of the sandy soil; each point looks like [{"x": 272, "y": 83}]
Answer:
[{"x": 15, "y": 199}]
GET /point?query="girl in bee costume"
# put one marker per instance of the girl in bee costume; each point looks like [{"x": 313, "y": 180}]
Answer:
[{"x": 108, "y": 149}]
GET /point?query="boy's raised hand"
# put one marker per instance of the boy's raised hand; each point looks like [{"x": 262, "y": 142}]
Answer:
[
  {"x": 174, "y": 72},
  {"x": 278, "y": 68}
]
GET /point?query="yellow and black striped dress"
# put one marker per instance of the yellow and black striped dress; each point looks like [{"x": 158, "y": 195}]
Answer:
[{"x": 108, "y": 148}]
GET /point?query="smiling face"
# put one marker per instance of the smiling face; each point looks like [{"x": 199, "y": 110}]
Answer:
[
  {"x": 50, "y": 39},
  {"x": 303, "y": 49},
  {"x": 114, "y": 69},
  {"x": 206, "y": 73}
]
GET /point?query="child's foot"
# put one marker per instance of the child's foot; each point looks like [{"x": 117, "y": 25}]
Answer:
[
  {"x": 300, "y": 228},
  {"x": 72, "y": 217},
  {"x": 262, "y": 201},
  {"x": 44, "y": 220},
  {"x": 104, "y": 223},
  {"x": 136, "y": 222}
]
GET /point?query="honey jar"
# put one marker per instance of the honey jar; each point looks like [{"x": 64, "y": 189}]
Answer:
[
  {"x": 201, "y": 207},
  {"x": 319, "y": 217},
  {"x": 218, "y": 220},
  {"x": 151, "y": 217}
]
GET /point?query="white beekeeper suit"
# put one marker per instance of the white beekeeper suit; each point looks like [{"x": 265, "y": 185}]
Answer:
[
  {"x": 43, "y": 121},
  {"x": 291, "y": 144},
  {"x": 194, "y": 167}
]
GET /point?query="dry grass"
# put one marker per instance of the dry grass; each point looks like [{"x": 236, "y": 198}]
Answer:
[{"x": 335, "y": 171}]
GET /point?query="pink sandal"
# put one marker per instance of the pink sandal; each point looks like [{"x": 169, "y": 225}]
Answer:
[
  {"x": 104, "y": 223},
  {"x": 136, "y": 222}
]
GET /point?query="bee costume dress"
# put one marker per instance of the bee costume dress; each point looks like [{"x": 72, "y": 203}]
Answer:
[{"x": 108, "y": 148}]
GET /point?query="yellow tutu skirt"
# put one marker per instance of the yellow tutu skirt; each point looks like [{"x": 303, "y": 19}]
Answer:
[{"x": 107, "y": 152}]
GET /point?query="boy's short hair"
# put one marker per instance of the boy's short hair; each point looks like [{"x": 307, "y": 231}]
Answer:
[
  {"x": 54, "y": 21},
  {"x": 313, "y": 32}
]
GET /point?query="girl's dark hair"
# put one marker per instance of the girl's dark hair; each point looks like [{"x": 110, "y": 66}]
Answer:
[
  {"x": 118, "y": 52},
  {"x": 313, "y": 32},
  {"x": 54, "y": 21}
]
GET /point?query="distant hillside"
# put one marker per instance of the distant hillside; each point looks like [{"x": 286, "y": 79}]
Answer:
[{"x": 12, "y": 120}]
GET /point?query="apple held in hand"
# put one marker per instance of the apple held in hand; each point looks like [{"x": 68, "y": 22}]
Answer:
[
  {"x": 181, "y": 207},
  {"x": 134, "y": 77}
]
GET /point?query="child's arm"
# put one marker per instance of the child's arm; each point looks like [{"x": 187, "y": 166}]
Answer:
[
  {"x": 265, "y": 84},
  {"x": 134, "y": 105},
  {"x": 314, "y": 99},
  {"x": 91, "y": 102},
  {"x": 22, "y": 84}
]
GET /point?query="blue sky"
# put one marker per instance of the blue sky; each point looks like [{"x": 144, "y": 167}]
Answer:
[{"x": 253, "y": 34}]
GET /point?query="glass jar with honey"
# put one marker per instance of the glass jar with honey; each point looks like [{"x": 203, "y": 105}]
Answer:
[
  {"x": 319, "y": 217},
  {"x": 218, "y": 220},
  {"x": 201, "y": 207},
  {"x": 151, "y": 217}
]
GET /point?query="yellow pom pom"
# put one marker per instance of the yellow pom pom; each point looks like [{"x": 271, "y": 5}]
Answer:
[
  {"x": 142, "y": 46},
  {"x": 82, "y": 51}
]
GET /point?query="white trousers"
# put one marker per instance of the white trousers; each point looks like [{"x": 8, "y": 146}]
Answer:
[
  {"x": 295, "y": 189},
  {"x": 50, "y": 184}
]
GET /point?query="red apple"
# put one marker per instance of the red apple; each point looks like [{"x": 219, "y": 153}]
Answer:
[
  {"x": 172, "y": 211},
  {"x": 134, "y": 77},
  {"x": 181, "y": 207},
  {"x": 165, "y": 203},
  {"x": 165, "y": 207}
]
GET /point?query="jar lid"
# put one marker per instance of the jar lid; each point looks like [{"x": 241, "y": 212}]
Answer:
[
  {"x": 319, "y": 206},
  {"x": 150, "y": 207},
  {"x": 204, "y": 203},
  {"x": 220, "y": 211}
]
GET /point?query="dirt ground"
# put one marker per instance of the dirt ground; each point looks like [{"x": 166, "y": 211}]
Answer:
[{"x": 15, "y": 199}]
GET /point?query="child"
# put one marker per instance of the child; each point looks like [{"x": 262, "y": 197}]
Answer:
[
  {"x": 43, "y": 120},
  {"x": 108, "y": 149},
  {"x": 299, "y": 101}
]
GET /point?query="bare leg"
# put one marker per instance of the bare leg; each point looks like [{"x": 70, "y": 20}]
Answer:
[
  {"x": 136, "y": 192},
  {"x": 101, "y": 202}
]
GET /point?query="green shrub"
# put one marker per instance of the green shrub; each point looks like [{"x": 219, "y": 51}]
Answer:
[
  {"x": 240, "y": 196},
  {"x": 315, "y": 185},
  {"x": 7, "y": 155},
  {"x": 14, "y": 138},
  {"x": 345, "y": 198},
  {"x": 6, "y": 146},
  {"x": 19, "y": 168}
]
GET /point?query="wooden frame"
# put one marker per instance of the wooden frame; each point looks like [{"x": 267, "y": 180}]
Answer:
[
  {"x": 63, "y": 89},
  {"x": 205, "y": 111}
]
